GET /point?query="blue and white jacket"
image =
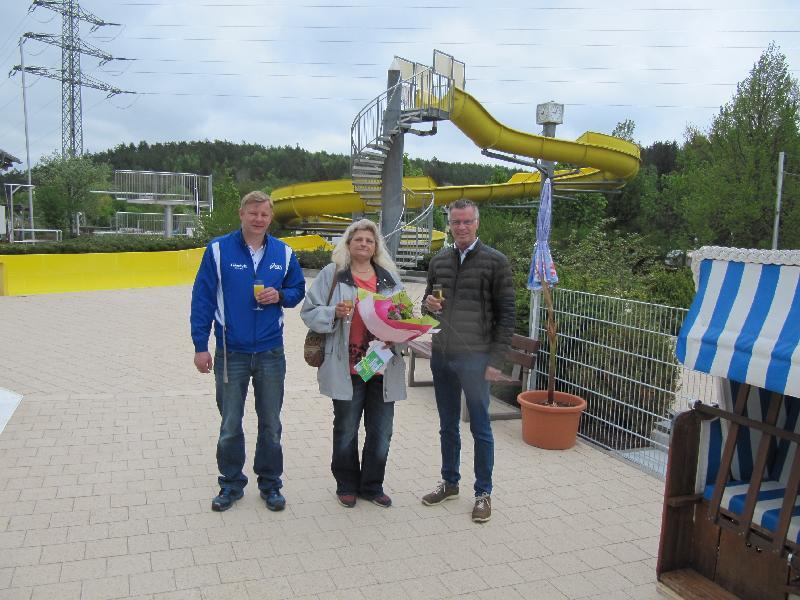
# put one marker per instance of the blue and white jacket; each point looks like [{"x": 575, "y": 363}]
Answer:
[{"x": 223, "y": 293}]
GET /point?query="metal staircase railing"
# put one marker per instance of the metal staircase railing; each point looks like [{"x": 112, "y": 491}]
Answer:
[
  {"x": 415, "y": 229},
  {"x": 424, "y": 96}
]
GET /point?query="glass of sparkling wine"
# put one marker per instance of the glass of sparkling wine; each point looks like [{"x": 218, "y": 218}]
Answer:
[
  {"x": 258, "y": 287},
  {"x": 436, "y": 292},
  {"x": 349, "y": 304}
]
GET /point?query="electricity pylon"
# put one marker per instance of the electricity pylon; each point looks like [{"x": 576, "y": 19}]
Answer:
[{"x": 70, "y": 76}]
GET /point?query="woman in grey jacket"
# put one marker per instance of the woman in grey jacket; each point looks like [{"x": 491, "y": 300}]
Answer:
[{"x": 360, "y": 260}]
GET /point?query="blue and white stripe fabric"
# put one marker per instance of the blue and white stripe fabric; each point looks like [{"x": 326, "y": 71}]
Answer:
[
  {"x": 713, "y": 434},
  {"x": 744, "y": 323}
]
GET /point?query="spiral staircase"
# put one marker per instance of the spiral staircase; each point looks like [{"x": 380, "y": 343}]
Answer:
[{"x": 424, "y": 97}]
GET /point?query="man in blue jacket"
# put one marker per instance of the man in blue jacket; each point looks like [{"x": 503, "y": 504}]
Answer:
[{"x": 248, "y": 324}]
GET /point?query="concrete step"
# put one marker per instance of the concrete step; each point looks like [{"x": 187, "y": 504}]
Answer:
[
  {"x": 377, "y": 155},
  {"x": 368, "y": 170},
  {"x": 369, "y": 160}
]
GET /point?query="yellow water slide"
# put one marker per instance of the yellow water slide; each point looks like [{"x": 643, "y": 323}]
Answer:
[{"x": 604, "y": 162}]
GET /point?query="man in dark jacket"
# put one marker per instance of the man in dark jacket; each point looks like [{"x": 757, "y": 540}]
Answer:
[
  {"x": 476, "y": 311},
  {"x": 244, "y": 282}
]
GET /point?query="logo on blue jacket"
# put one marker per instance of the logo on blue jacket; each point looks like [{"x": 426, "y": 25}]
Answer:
[{"x": 275, "y": 266}]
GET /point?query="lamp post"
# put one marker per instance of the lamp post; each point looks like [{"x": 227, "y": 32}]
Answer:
[
  {"x": 779, "y": 188},
  {"x": 548, "y": 115},
  {"x": 27, "y": 139}
]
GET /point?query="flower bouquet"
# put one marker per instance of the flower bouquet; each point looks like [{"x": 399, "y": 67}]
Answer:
[{"x": 391, "y": 318}]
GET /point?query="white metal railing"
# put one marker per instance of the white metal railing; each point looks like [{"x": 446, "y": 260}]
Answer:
[
  {"x": 153, "y": 223},
  {"x": 32, "y": 236},
  {"x": 619, "y": 355},
  {"x": 415, "y": 228},
  {"x": 164, "y": 187}
]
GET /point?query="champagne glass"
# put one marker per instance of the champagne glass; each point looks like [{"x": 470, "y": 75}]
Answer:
[
  {"x": 349, "y": 304},
  {"x": 438, "y": 293},
  {"x": 258, "y": 287}
]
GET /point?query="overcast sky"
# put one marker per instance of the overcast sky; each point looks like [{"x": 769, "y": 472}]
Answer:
[{"x": 298, "y": 71}]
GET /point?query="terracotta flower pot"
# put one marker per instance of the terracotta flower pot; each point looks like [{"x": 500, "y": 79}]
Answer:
[{"x": 550, "y": 427}]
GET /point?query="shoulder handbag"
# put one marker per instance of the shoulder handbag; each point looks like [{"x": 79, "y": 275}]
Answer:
[{"x": 314, "y": 345}]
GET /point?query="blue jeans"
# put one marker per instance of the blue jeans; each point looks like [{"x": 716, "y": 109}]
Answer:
[
  {"x": 453, "y": 373},
  {"x": 366, "y": 479},
  {"x": 267, "y": 370}
]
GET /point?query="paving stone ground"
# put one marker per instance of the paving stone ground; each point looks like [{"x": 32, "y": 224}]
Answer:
[{"x": 107, "y": 470}]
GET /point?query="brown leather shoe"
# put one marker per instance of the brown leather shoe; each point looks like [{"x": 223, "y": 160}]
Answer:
[
  {"x": 482, "y": 511},
  {"x": 444, "y": 491}
]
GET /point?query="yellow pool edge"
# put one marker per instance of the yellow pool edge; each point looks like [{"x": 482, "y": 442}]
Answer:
[{"x": 26, "y": 274}]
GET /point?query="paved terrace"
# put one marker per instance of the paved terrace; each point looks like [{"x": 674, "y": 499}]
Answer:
[{"x": 108, "y": 470}]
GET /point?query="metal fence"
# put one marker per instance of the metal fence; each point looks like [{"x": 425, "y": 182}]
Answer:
[
  {"x": 619, "y": 355},
  {"x": 154, "y": 187},
  {"x": 32, "y": 236},
  {"x": 153, "y": 223}
]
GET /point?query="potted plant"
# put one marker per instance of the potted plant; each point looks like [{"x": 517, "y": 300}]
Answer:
[{"x": 550, "y": 418}]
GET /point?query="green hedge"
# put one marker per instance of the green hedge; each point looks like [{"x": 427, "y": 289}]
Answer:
[
  {"x": 89, "y": 244},
  {"x": 314, "y": 259}
]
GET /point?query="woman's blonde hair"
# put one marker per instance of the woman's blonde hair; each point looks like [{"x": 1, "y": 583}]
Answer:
[{"x": 341, "y": 254}]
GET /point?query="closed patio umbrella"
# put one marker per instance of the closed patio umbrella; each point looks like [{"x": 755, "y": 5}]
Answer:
[{"x": 542, "y": 262}]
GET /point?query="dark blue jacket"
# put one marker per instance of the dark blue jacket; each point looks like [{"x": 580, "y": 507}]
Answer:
[{"x": 230, "y": 305}]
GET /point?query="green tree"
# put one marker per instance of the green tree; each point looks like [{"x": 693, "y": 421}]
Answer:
[
  {"x": 225, "y": 216},
  {"x": 411, "y": 169},
  {"x": 727, "y": 184},
  {"x": 64, "y": 189},
  {"x": 624, "y": 130}
]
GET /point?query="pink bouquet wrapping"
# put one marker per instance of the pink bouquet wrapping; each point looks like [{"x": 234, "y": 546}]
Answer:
[{"x": 390, "y": 318}]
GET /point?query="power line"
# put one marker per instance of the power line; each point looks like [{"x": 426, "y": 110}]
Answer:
[
  {"x": 15, "y": 31},
  {"x": 473, "y": 29},
  {"x": 276, "y": 40},
  {"x": 374, "y": 77},
  {"x": 673, "y": 9},
  {"x": 323, "y": 63}
]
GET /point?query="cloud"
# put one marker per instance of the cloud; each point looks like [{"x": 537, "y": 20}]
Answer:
[{"x": 292, "y": 73}]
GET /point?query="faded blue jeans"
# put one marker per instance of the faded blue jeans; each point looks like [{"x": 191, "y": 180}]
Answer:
[
  {"x": 453, "y": 373},
  {"x": 268, "y": 371},
  {"x": 365, "y": 479}
]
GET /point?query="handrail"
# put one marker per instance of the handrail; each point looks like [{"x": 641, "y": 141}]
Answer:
[
  {"x": 399, "y": 225},
  {"x": 425, "y": 90},
  {"x": 34, "y": 231}
]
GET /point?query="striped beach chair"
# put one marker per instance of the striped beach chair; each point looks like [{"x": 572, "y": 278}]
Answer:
[{"x": 731, "y": 520}]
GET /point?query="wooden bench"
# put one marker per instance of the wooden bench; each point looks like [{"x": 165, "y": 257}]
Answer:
[{"x": 521, "y": 355}]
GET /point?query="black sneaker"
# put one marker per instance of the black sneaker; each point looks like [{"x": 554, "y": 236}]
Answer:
[
  {"x": 274, "y": 499},
  {"x": 381, "y": 500},
  {"x": 444, "y": 491},
  {"x": 225, "y": 499}
]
